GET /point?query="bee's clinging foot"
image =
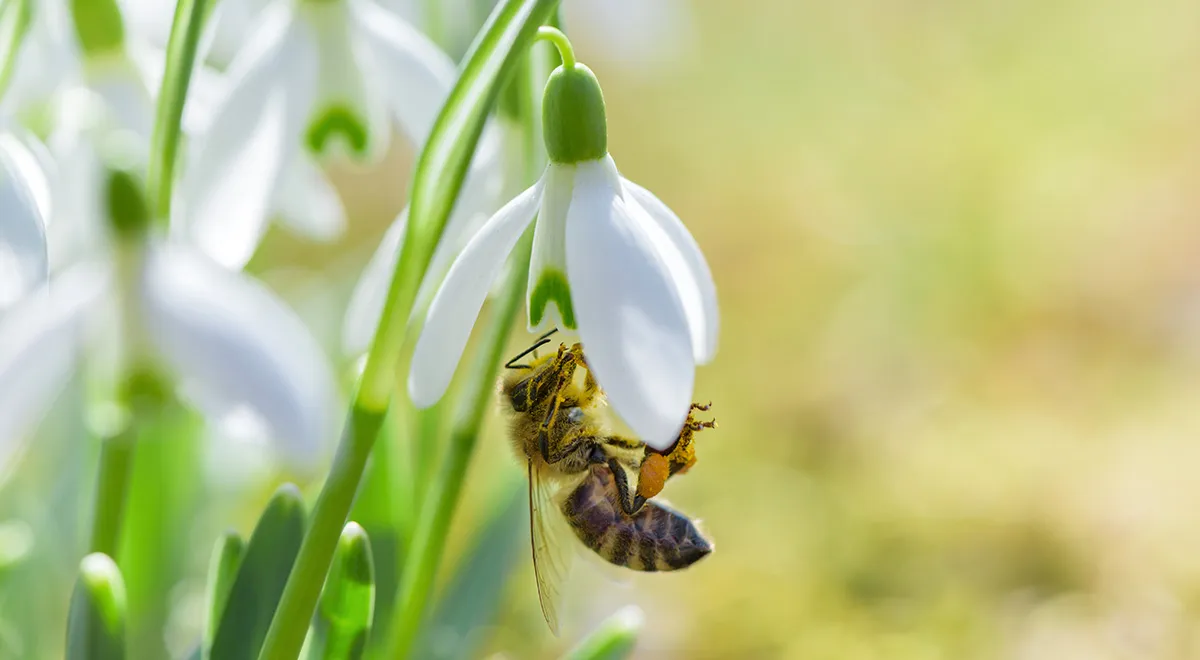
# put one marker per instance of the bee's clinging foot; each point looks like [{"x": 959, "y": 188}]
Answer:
[{"x": 696, "y": 406}]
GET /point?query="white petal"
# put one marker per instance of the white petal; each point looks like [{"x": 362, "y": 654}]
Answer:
[
  {"x": 688, "y": 268},
  {"x": 366, "y": 303},
  {"x": 631, "y": 321},
  {"x": 236, "y": 343},
  {"x": 23, "y": 260},
  {"x": 228, "y": 30},
  {"x": 127, "y": 103},
  {"x": 549, "y": 258},
  {"x": 39, "y": 346},
  {"x": 416, "y": 76},
  {"x": 308, "y": 203},
  {"x": 32, "y": 164},
  {"x": 457, "y": 303},
  {"x": 78, "y": 228},
  {"x": 226, "y": 193}
]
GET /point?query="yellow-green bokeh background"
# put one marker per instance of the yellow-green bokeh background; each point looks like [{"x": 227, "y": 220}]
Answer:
[{"x": 957, "y": 246}]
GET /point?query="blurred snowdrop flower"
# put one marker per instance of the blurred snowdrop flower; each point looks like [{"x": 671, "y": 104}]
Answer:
[
  {"x": 233, "y": 347},
  {"x": 24, "y": 207},
  {"x": 315, "y": 78},
  {"x": 482, "y": 193},
  {"x": 110, "y": 93},
  {"x": 609, "y": 260},
  {"x": 42, "y": 54}
]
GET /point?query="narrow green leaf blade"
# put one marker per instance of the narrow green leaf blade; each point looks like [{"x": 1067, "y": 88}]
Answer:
[
  {"x": 613, "y": 640},
  {"x": 347, "y": 604},
  {"x": 261, "y": 577},
  {"x": 222, "y": 571},
  {"x": 96, "y": 623}
]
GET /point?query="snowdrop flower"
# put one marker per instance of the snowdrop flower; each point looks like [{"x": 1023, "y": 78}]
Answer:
[
  {"x": 111, "y": 89},
  {"x": 43, "y": 56},
  {"x": 609, "y": 260},
  {"x": 231, "y": 344},
  {"x": 315, "y": 78},
  {"x": 24, "y": 207}
]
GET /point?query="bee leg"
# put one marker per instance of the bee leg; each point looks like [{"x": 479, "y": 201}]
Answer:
[
  {"x": 565, "y": 365},
  {"x": 631, "y": 502}
]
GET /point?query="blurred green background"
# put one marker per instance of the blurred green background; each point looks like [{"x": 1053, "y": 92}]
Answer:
[{"x": 958, "y": 258}]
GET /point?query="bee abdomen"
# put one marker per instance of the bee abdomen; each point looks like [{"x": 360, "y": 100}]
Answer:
[{"x": 656, "y": 538}]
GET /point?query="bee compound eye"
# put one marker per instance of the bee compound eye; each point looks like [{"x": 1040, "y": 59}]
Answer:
[{"x": 575, "y": 415}]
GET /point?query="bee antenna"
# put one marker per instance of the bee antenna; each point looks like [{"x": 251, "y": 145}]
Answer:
[{"x": 542, "y": 341}]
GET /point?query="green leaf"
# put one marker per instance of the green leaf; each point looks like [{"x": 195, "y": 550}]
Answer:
[
  {"x": 613, "y": 640},
  {"x": 440, "y": 170},
  {"x": 260, "y": 578},
  {"x": 347, "y": 605},
  {"x": 473, "y": 595},
  {"x": 96, "y": 623},
  {"x": 222, "y": 571}
]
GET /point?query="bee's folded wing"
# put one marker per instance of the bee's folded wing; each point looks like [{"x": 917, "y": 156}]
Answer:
[{"x": 551, "y": 555}]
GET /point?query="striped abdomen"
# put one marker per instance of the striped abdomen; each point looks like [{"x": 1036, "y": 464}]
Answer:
[{"x": 654, "y": 539}]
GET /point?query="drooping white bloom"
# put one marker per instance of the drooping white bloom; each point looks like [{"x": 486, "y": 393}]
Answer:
[
  {"x": 315, "y": 77},
  {"x": 232, "y": 345},
  {"x": 24, "y": 207},
  {"x": 609, "y": 259}
]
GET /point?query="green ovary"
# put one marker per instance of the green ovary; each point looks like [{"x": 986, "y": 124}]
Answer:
[
  {"x": 551, "y": 286},
  {"x": 334, "y": 121}
]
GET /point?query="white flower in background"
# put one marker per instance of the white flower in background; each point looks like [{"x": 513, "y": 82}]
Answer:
[
  {"x": 315, "y": 78},
  {"x": 108, "y": 87},
  {"x": 609, "y": 259},
  {"x": 233, "y": 346},
  {"x": 43, "y": 57},
  {"x": 24, "y": 207}
]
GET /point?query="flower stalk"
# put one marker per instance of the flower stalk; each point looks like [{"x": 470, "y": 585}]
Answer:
[{"x": 168, "y": 121}]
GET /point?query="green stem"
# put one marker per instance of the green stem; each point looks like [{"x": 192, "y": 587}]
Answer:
[
  {"x": 561, "y": 42},
  {"x": 437, "y": 508},
  {"x": 112, "y": 489},
  {"x": 291, "y": 620},
  {"x": 168, "y": 119}
]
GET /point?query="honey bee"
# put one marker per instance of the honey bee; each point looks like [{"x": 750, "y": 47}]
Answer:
[{"x": 600, "y": 482}]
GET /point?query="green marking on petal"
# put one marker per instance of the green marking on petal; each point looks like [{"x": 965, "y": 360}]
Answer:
[
  {"x": 338, "y": 120},
  {"x": 552, "y": 285}
]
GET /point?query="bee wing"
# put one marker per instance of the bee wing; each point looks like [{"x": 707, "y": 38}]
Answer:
[{"x": 551, "y": 559}]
